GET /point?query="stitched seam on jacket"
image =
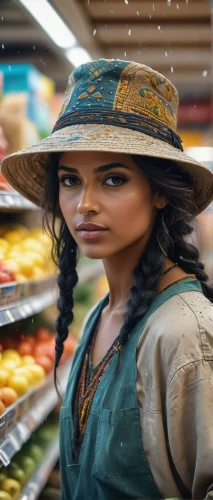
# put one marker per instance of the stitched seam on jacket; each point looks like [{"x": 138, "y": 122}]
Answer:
[{"x": 183, "y": 366}]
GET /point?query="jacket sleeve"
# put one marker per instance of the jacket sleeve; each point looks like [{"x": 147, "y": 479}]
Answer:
[{"x": 189, "y": 408}]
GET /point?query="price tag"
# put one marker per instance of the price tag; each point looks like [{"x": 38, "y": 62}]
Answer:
[{"x": 9, "y": 316}]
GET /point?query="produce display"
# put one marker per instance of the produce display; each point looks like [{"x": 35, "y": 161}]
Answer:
[
  {"x": 25, "y": 360},
  {"x": 27, "y": 340},
  {"x": 24, "y": 254},
  {"x": 14, "y": 477}
]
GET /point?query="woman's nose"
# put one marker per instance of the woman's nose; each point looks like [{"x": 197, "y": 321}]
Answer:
[{"x": 88, "y": 202}]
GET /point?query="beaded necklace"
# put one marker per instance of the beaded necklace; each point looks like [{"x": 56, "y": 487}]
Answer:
[{"x": 87, "y": 386}]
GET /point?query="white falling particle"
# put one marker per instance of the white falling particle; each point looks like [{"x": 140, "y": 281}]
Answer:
[
  {"x": 166, "y": 54},
  {"x": 150, "y": 16},
  {"x": 177, "y": 6},
  {"x": 2, "y": 18},
  {"x": 126, "y": 2},
  {"x": 33, "y": 47},
  {"x": 137, "y": 13},
  {"x": 125, "y": 53},
  {"x": 9, "y": 67},
  {"x": 172, "y": 70},
  {"x": 187, "y": 1},
  {"x": 129, "y": 32},
  {"x": 153, "y": 6},
  {"x": 94, "y": 32},
  {"x": 205, "y": 73},
  {"x": 2, "y": 46},
  {"x": 158, "y": 27},
  {"x": 169, "y": 2}
]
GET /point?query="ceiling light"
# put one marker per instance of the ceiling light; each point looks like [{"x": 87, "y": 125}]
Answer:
[
  {"x": 50, "y": 21},
  {"x": 78, "y": 56}
]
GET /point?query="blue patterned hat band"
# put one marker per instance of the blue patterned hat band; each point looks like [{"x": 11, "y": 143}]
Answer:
[{"x": 143, "y": 124}]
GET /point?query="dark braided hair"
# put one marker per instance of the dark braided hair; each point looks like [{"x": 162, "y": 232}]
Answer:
[{"x": 172, "y": 228}]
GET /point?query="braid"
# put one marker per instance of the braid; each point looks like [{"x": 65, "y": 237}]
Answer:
[
  {"x": 67, "y": 280},
  {"x": 187, "y": 257},
  {"x": 146, "y": 276}
]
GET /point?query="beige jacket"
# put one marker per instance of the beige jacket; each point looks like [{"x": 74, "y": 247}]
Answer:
[{"x": 175, "y": 395}]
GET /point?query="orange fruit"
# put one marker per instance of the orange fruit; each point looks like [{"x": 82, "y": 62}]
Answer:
[{"x": 8, "y": 396}]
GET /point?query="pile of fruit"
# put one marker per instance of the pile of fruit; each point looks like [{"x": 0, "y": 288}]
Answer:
[
  {"x": 24, "y": 254},
  {"x": 14, "y": 477},
  {"x": 25, "y": 360}
]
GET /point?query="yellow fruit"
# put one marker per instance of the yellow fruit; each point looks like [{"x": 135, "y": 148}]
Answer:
[
  {"x": 26, "y": 265},
  {"x": 19, "y": 383},
  {"x": 21, "y": 230},
  {"x": 28, "y": 360},
  {"x": 34, "y": 245},
  {"x": 4, "y": 374},
  {"x": 21, "y": 278},
  {"x": 12, "y": 237},
  {"x": 37, "y": 372},
  {"x": 4, "y": 245},
  {"x": 38, "y": 273},
  {"x": 25, "y": 372},
  {"x": 12, "y": 355},
  {"x": 8, "y": 364}
]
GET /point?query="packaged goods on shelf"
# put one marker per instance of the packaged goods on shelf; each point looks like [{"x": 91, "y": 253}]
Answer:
[{"x": 24, "y": 81}]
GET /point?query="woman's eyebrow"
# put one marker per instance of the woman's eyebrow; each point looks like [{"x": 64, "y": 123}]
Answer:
[{"x": 103, "y": 168}]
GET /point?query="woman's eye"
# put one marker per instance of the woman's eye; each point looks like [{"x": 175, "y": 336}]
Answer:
[
  {"x": 117, "y": 180},
  {"x": 69, "y": 181}
]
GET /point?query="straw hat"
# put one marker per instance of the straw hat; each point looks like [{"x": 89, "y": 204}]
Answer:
[{"x": 117, "y": 106}]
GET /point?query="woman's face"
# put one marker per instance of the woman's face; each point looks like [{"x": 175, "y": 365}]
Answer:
[{"x": 107, "y": 189}]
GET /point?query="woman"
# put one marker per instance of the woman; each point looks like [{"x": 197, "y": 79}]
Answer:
[{"x": 136, "y": 420}]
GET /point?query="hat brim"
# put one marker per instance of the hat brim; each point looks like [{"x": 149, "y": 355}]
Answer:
[{"x": 26, "y": 169}]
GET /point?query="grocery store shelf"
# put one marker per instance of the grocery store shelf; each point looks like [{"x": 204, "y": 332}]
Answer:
[
  {"x": 39, "y": 478},
  {"x": 24, "y": 416},
  {"x": 26, "y": 307},
  {"x": 15, "y": 291},
  {"x": 13, "y": 202}
]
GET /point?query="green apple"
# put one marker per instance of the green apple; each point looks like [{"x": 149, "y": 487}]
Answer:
[
  {"x": 35, "y": 452},
  {"x": 27, "y": 464},
  {"x": 17, "y": 473},
  {"x": 4, "y": 495},
  {"x": 2, "y": 477},
  {"x": 12, "y": 487}
]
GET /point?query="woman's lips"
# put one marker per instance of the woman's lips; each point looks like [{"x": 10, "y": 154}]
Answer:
[{"x": 92, "y": 235}]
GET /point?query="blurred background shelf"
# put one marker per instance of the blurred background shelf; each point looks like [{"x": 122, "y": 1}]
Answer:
[
  {"x": 40, "y": 476},
  {"x": 27, "y": 413},
  {"x": 28, "y": 306},
  {"x": 14, "y": 202}
]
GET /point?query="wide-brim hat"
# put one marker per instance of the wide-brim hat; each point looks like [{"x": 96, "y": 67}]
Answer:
[{"x": 111, "y": 106}]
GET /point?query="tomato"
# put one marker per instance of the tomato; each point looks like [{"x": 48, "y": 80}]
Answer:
[
  {"x": 25, "y": 348},
  {"x": 45, "y": 362},
  {"x": 4, "y": 278}
]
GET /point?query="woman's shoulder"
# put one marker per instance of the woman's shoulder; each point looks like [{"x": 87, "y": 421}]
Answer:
[{"x": 179, "y": 332}]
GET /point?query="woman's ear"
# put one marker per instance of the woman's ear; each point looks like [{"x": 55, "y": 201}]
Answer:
[{"x": 160, "y": 201}]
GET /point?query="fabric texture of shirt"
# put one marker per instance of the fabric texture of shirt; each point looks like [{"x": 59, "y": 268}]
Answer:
[{"x": 175, "y": 395}]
